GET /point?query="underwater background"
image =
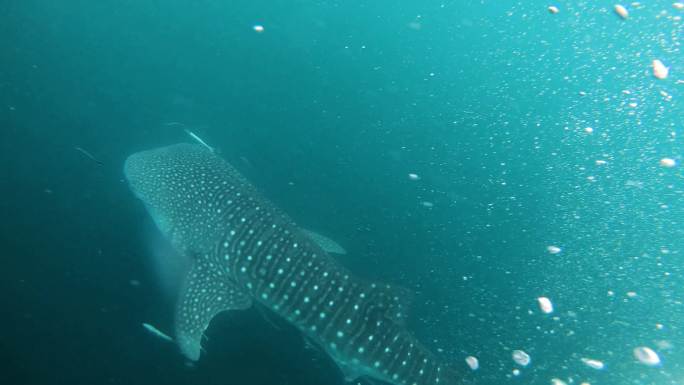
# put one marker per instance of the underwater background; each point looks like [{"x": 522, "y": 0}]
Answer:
[{"x": 482, "y": 154}]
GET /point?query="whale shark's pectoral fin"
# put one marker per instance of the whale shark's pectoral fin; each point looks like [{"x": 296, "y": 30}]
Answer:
[
  {"x": 350, "y": 372},
  {"x": 207, "y": 292}
]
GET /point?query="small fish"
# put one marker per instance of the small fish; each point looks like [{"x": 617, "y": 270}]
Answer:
[
  {"x": 88, "y": 155},
  {"x": 199, "y": 140},
  {"x": 157, "y": 332}
]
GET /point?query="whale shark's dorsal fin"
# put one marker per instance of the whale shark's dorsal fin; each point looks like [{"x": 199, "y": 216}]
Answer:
[
  {"x": 206, "y": 292},
  {"x": 327, "y": 244}
]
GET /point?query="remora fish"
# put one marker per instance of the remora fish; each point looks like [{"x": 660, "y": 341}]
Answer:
[
  {"x": 199, "y": 140},
  {"x": 88, "y": 155},
  {"x": 244, "y": 249},
  {"x": 156, "y": 332}
]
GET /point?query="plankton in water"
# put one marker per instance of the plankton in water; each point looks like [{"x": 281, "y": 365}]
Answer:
[
  {"x": 521, "y": 358},
  {"x": 646, "y": 356},
  {"x": 472, "y": 362},
  {"x": 667, "y": 162},
  {"x": 545, "y": 305},
  {"x": 553, "y": 249}
]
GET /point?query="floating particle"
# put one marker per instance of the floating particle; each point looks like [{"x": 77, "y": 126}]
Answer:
[
  {"x": 594, "y": 364},
  {"x": 659, "y": 326},
  {"x": 472, "y": 362},
  {"x": 521, "y": 358},
  {"x": 600, "y": 162},
  {"x": 553, "y": 9},
  {"x": 553, "y": 249},
  {"x": 258, "y": 28},
  {"x": 427, "y": 204},
  {"x": 679, "y": 6},
  {"x": 582, "y": 93},
  {"x": 557, "y": 381},
  {"x": 621, "y": 11},
  {"x": 413, "y": 176},
  {"x": 667, "y": 162},
  {"x": 545, "y": 305},
  {"x": 633, "y": 104},
  {"x": 634, "y": 183},
  {"x": 588, "y": 130},
  {"x": 646, "y": 356},
  {"x": 631, "y": 294},
  {"x": 659, "y": 69},
  {"x": 414, "y": 25},
  {"x": 664, "y": 345},
  {"x": 516, "y": 372}
]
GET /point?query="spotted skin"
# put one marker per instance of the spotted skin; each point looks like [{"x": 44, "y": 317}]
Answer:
[{"x": 243, "y": 249}]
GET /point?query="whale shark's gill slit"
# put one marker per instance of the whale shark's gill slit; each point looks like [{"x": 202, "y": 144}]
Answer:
[{"x": 242, "y": 249}]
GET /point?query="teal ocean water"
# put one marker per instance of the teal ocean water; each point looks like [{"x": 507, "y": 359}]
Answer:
[{"x": 481, "y": 154}]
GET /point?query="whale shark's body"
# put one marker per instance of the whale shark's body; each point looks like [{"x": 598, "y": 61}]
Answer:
[{"x": 243, "y": 249}]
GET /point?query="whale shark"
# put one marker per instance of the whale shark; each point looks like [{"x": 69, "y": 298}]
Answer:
[{"x": 244, "y": 250}]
